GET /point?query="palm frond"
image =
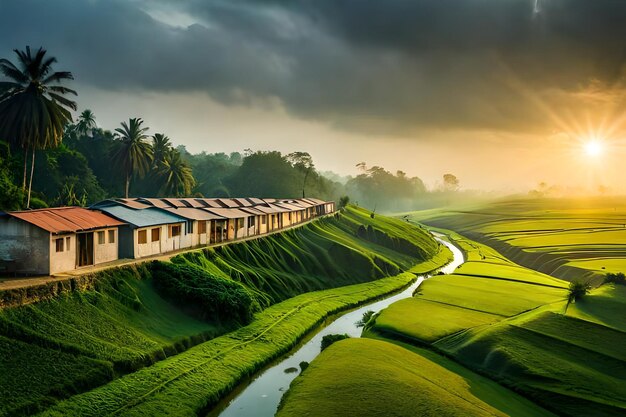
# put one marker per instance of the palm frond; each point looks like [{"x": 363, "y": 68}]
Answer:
[
  {"x": 58, "y": 77},
  {"x": 64, "y": 101}
]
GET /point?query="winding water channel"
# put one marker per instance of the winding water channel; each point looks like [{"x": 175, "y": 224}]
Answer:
[{"x": 261, "y": 396}]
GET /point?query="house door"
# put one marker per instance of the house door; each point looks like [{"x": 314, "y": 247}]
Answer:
[{"x": 84, "y": 249}]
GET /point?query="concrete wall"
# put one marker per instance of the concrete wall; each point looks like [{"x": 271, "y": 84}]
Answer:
[
  {"x": 262, "y": 223},
  {"x": 197, "y": 238},
  {"x": 108, "y": 251},
  {"x": 66, "y": 260},
  {"x": 166, "y": 243},
  {"x": 25, "y": 246}
]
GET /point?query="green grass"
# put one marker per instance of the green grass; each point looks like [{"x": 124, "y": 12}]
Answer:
[
  {"x": 572, "y": 367},
  {"x": 568, "y": 238},
  {"x": 194, "y": 380},
  {"x": 427, "y": 321},
  {"x": 22, "y": 366},
  {"x": 605, "y": 305},
  {"x": 493, "y": 296},
  {"x": 372, "y": 377},
  {"x": 324, "y": 254},
  {"x": 573, "y": 364},
  {"x": 125, "y": 323},
  {"x": 81, "y": 338}
]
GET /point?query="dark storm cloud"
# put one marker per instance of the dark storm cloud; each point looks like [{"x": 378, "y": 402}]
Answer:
[{"x": 361, "y": 64}]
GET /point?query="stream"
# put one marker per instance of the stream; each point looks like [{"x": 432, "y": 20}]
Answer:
[{"x": 260, "y": 396}]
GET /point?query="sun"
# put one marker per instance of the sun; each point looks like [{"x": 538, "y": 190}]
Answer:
[{"x": 594, "y": 148}]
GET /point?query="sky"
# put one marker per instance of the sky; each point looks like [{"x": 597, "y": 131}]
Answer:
[{"x": 502, "y": 93}]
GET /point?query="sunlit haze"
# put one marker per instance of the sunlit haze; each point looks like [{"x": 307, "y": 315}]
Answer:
[{"x": 500, "y": 93}]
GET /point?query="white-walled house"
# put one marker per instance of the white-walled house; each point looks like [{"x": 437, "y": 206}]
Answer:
[
  {"x": 149, "y": 231},
  {"x": 199, "y": 224},
  {"x": 53, "y": 240}
]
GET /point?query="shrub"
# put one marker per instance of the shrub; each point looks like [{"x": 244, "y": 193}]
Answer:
[
  {"x": 577, "y": 290},
  {"x": 329, "y": 339},
  {"x": 367, "y": 316},
  {"x": 618, "y": 278},
  {"x": 202, "y": 293}
]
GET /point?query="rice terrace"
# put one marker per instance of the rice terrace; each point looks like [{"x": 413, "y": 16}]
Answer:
[{"x": 312, "y": 208}]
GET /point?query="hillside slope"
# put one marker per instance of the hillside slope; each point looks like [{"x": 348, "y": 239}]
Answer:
[{"x": 125, "y": 322}]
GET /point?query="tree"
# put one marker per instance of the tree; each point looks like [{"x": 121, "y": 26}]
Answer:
[
  {"x": 132, "y": 155},
  {"x": 344, "y": 201},
  {"x": 161, "y": 145},
  {"x": 450, "y": 182},
  {"x": 577, "y": 290},
  {"x": 303, "y": 162},
  {"x": 177, "y": 176},
  {"x": 86, "y": 123},
  {"x": 33, "y": 106}
]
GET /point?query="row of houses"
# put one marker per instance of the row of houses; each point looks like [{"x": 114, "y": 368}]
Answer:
[{"x": 54, "y": 240}]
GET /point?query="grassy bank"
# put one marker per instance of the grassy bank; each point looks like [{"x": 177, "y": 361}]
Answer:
[
  {"x": 372, "y": 377},
  {"x": 192, "y": 381},
  {"x": 132, "y": 317}
]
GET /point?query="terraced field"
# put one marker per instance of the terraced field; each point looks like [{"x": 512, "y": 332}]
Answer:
[
  {"x": 507, "y": 321},
  {"x": 566, "y": 238},
  {"x": 137, "y": 326}
]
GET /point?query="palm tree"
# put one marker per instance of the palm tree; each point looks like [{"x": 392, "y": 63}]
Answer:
[
  {"x": 177, "y": 177},
  {"x": 86, "y": 123},
  {"x": 161, "y": 145},
  {"x": 132, "y": 155},
  {"x": 33, "y": 106}
]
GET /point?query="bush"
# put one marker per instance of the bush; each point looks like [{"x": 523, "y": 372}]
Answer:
[
  {"x": 329, "y": 339},
  {"x": 202, "y": 293},
  {"x": 577, "y": 290},
  {"x": 367, "y": 316},
  {"x": 618, "y": 278}
]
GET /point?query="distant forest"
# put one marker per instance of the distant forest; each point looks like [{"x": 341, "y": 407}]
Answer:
[
  {"x": 49, "y": 159},
  {"x": 87, "y": 166}
]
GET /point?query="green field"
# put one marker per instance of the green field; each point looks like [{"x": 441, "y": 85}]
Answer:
[
  {"x": 567, "y": 238},
  {"x": 572, "y": 363},
  {"x": 501, "y": 319},
  {"x": 126, "y": 322},
  {"x": 362, "y": 377}
]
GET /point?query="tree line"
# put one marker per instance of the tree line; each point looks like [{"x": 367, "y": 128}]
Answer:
[{"x": 47, "y": 158}]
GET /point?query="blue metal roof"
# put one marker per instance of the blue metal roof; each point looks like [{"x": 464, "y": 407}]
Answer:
[{"x": 142, "y": 218}]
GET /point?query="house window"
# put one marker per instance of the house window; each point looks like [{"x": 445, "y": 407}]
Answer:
[
  {"x": 190, "y": 227},
  {"x": 156, "y": 234},
  {"x": 250, "y": 221},
  {"x": 263, "y": 219},
  {"x": 201, "y": 227},
  {"x": 239, "y": 223},
  {"x": 142, "y": 237},
  {"x": 175, "y": 230},
  {"x": 289, "y": 216},
  {"x": 67, "y": 243},
  {"x": 59, "y": 244},
  {"x": 101, "y": 238},
  {"x": 111, "y": 236}
]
